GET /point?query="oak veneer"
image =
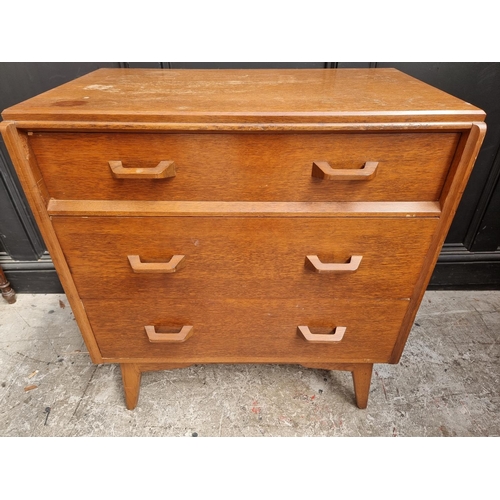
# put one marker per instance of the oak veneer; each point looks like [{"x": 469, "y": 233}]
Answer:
[
  {"x": 246, "y": 257},
  {"x": 245, "y": 167},
  {"x": 244, "y": 96},
  {"x": 210, "y": 216},
  {"x": 241, "y": 330}
]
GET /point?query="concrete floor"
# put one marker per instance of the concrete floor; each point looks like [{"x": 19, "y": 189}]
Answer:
[{"x": 447, "y": 383}]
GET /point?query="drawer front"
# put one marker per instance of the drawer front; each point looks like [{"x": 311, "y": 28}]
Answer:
[
  {"x": 244, "y": 167},
  {"x": 245, "y": 330},
  {"x": 245, "y": 257}
]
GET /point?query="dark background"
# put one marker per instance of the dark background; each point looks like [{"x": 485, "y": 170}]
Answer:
[{"x": 470, "y": 258}]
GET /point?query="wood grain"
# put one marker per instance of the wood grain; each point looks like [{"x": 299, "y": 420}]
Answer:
[
  {"x": 164, "y": 170},
  {"x": 350, "y": 266},
  {"x": 247, "y": 330},
  {"x": 336, "y": 335},
  {"x": 362, "y": 375},
  {"x": 322, "y": 95},
  {"x": 105, "y": 208},
  {"x": 131, "y": 378},
  {"x": 244, "y": 257},
  {"x": 323, "y": 170},
  {"x": 163, "y": 337},
  {"x": 245, "y": 167},
  {"x": 254, "y": 126},
  {"x": 174, "y": 264}
]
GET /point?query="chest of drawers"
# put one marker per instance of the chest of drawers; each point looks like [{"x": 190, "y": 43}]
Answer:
[{"x": 262, "y": 216}]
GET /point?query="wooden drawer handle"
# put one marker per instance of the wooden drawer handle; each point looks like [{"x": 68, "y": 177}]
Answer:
[
  {"x": 313, "y": 262},
  {"x": 175, "y": 263},
  {"x": 163, "y": 170},
  {"x": 335, "y": 336},
  {"x": 153, "y": 336},
  {"x": 322, "y": 170}
]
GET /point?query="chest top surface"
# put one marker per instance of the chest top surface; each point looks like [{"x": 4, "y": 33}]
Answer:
[{"x": 245, "y": 96}]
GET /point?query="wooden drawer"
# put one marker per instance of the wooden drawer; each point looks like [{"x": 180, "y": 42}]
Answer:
[
  {"x": 245, "y": 166},
  {"x": 246, "y": 330},
  {"x": 244, "y": 257}
]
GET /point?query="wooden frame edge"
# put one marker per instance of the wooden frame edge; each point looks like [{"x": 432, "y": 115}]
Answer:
[
  {"x": 449, "y": 207},
  {"x": 144, "y": 126},
  {"x": 105, "y": 208},
  {"x": 25, "y": 164}
]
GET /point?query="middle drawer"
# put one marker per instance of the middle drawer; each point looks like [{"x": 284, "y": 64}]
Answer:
[{"x": 246, "y": 257}]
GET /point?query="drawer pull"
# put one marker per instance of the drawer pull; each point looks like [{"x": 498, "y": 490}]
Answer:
[
  {"x": 313, "y": 262},
  {"x": 163, "y": 170},
  {"x": 175, "y": 263},
  {"x": 153, "y": 336},
  {"x": 322, "y": 170},
  {"x": 335, "y": 336}
]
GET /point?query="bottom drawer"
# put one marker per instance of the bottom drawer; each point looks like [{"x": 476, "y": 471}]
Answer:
[{"x": 246, "y": 331}]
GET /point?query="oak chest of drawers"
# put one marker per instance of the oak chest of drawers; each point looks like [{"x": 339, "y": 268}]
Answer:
[{"x": 262, "y": 216}]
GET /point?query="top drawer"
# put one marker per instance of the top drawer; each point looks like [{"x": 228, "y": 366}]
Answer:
[{"x": 245, "y": 166}]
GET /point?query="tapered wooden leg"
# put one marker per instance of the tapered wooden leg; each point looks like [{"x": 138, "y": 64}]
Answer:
[
  {"x": 362, "y": 376},
  {"x": 8, "y": 292},
  {"x": 131, "y": 375}
]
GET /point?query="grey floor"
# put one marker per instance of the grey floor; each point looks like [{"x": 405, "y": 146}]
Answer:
[{"x": 447, "y": 383}]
